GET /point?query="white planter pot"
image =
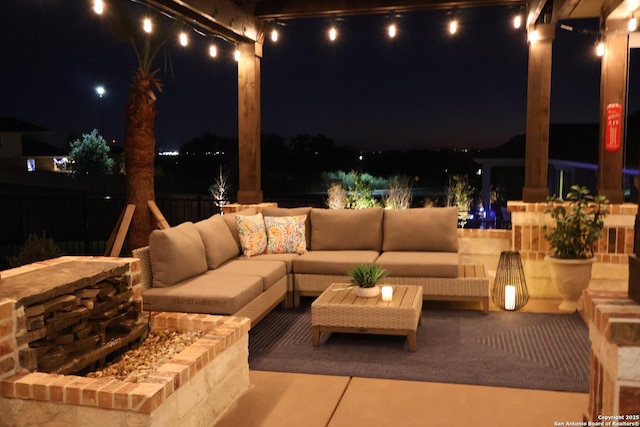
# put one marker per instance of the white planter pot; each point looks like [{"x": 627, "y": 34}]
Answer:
[
  {"x": 571, "y": 277},
  {"x": 367, "y": 292}
]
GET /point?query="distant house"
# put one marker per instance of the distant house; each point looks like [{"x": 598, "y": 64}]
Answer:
[{"x": 28, "y": 147}]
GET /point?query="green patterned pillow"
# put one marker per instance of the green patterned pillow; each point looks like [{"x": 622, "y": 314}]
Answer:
[
  {"x": 286, "y": 234},
  {"x": 253, "y": 236}
]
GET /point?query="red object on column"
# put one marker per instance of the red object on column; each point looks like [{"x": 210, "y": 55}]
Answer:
[{"x": 613, "y": 118}]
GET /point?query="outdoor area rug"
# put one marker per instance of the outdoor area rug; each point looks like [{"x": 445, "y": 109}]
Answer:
[{"x": 507, "y": 349}]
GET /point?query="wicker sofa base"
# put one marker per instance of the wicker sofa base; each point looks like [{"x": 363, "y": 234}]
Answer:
[{"x": 472, "y": 284}]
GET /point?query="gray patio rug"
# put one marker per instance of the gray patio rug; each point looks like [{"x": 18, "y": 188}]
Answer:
[{"x": 507, "y": 349}]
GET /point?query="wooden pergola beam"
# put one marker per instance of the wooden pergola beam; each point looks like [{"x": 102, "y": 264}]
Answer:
[
  {"x": 221, "y": 17},
  {"x": 292, "y": 9}
]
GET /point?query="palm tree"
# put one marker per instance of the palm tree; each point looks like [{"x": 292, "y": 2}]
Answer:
[{"x": 139, "y": 145}]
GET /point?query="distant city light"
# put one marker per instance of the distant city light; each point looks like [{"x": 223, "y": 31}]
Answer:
[
  {"x": 169, "y": 153},
  {"x": 360, "y": 157},
  {"x": 274, "y": 35},
  {"x": 213, "y": 51},
  {"x": 479, "y": 171},
  {"x": 146, "y": 25},
  {"x": 100, "y": 91},
  {"x": 98, "y": 6},
  {"x": 184, "y": 39}
]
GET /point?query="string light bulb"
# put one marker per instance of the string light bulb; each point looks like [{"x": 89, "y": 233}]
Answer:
[
  {"x": 392, "y": 30},
  {"x": 534, "y": 36},
  {"x": 274, "y": 35},
  {"x": 600, "y": 48},
  {"x": 453, "y": 26},
  {"x": 184, "y": 39},
  {"x": 517, "y": 21},
  {"x": 146, "y": 25},
  {"x": 333, "y": 33},
  {"x": 633, "y": 23},
  {"x": 236, "y": 55},
  {"x": 98, "y": 6},
  {"x": 213, "y": 50}
]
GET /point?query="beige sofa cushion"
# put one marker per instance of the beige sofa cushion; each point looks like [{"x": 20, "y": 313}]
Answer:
[
  {"x": 176, "y": 253},
  {"x": 272, "y": 211},
  {"x": 271, "y": 272},
  {"x": 287, "y": 259},
  {"x": 421, "y": 229},
  {"x": 219, "y": 245},
  {"x": 230, "y": 219},
  {"x": 207, "y": 293},
  {"x": 419, "y": 264},
  {"x": 346, "y": 229},
  {"x": 332, "y": 262}
]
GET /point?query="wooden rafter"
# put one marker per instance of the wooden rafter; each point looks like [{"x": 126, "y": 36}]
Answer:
[
  {"x": 221, "y": 17},
  {"x": 291, "y": 9}
]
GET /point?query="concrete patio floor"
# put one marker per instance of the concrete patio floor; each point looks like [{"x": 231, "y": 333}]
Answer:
[{"x": 288, "y": 399}]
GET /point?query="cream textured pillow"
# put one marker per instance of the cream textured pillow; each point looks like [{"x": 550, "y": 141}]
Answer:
[
  {"x": 219, "y": 244},
  {"x": 253, "y": 236},
  {"x": 176, "y": 253},
  {"x": 286, "y": 234}
]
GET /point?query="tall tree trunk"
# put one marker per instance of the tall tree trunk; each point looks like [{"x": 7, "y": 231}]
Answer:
[{"x": 139, "y": 153}]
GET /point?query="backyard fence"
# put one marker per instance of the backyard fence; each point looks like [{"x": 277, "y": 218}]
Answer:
[{"x": 81, "y": 225}]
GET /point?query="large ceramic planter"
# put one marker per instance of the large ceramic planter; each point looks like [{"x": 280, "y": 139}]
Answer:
[
  {"x": 367, "y": 292},
  {"x": 571, "y": 277}
]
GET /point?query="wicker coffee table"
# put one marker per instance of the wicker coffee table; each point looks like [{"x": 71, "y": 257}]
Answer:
[{"x": 338, "y": 309}]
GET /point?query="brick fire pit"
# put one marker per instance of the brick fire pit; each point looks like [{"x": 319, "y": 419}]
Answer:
[{"x": 194, "y": 388}]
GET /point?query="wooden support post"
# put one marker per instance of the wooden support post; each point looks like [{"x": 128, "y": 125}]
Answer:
[
  {"x": 119, "y": 233},
  {"x": 613, "y": 90},
  {"x": 249, "y": 123},
  {"x": 538, "y": 105},
  {"x": 157, "y": 215}
]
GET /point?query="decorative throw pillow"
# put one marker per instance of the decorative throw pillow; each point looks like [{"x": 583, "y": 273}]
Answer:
[
  {"x": 285, "y": 234},
  {"x": 253, "y": 236}
]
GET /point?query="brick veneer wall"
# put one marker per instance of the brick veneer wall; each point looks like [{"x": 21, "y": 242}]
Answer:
[
  {"x": 615, "y": 246},
  {"x": 614, "y": 331}
]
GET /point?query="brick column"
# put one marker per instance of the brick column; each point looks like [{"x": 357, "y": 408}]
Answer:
[{"x": 614, "y": 330}]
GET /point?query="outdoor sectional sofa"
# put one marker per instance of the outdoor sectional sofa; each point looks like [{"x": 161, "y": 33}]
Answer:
[{"x": 201, "y": 267}]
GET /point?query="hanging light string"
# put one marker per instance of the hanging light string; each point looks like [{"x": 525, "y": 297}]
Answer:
[{"x": 333, "y": 33}]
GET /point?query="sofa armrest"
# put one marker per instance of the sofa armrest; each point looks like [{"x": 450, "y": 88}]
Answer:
[{"x": 146, "y": 276}]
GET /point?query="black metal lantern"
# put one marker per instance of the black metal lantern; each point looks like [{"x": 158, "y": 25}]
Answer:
[{"x": 510, "y": 287}]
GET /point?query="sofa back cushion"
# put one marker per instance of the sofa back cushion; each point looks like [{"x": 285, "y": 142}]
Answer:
[
  {"x": 176, "y": 253},
  {"x": 230, "y": 219},
  {"x": 273, "y": 211},
  {"x": 219, "y": 245},
  {"x": 346, "y": 229},
  {"x": 421, "y": 229}
]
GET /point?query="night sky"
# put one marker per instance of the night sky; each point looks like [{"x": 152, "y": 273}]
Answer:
[{"x": 423, "y": 89}]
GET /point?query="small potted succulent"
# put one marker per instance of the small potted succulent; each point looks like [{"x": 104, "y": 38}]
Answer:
[
  {"x": 366, "y": 277},
  {"x": 578, "y": 225}
]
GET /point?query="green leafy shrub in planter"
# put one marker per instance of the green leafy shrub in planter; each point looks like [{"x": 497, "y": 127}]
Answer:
[{"x": 579, "y": 221}]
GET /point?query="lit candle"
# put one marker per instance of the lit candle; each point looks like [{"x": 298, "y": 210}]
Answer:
[
  {"x": 509, "y": 297},
  {"x": 387, "y": 293}
]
